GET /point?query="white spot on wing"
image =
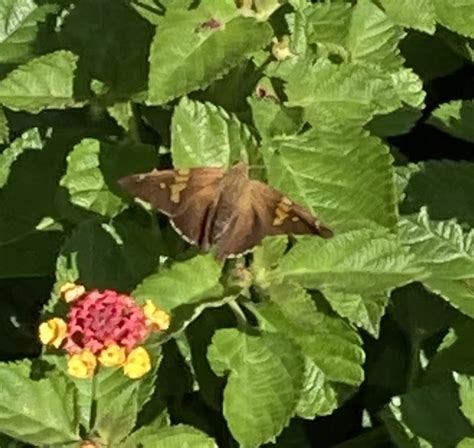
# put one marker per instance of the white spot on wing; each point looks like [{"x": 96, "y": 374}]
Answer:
[{"x": 181, "y": 234}]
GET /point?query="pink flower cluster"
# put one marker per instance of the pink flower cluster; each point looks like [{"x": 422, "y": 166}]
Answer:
[{"x": 99, "y": 319}]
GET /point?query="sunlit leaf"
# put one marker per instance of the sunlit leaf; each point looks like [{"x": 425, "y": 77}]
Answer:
[{"x": 43, "y": 83}]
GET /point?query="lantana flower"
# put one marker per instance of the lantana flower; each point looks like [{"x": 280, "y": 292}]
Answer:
[
  {"x": 158, "y": 318},
  {"x": 53, "y": 332},
  {"x": 106, "y": 328}
]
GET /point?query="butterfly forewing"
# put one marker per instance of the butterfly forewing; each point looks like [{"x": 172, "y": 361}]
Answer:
[
  {"x": 185, "y": 195},
  {"x": 214, "y": 207}
]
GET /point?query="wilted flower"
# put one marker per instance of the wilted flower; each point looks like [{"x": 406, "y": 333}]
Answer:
[
  {"x": 281, "y": 48},
  {"x": 70, "y": 292},
  {"x": 53, "y": 332},
  {"x": 137, "y": 363},
  {"x": 105, "y": 327}
]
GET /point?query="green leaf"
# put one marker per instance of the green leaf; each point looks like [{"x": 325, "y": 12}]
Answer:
[
  {"x": 455, "y": 118},
  {"x": 399, "y": 122},
  {"x": 363, "y": 310},
  {"x": 359, "y": 262},
  {"x": 30, "y": 139},
  {"x": 117, "y": 414},
  {"x": 428, "y": 416},
  {"x": 409, "y": 88},
  {"x": 462, "y": 46},
  {"x": 444, "y": 188},
  {"x": 454, "y": 354},
  {"x": 417, "y": 49},
  {"x": 318, "y": 397},
  {"x": 32, "y": 182},
  {"x": 317, "y": 170},
  {"x": 373, "y": 38},
  {"x": 419, "y": 313},
  {"x": 293, "y": 436},
  {"x": 110, "y": 399},
  {"x": 198, "y": 338},
  {"x": 4, "y": 131},
  {"x": 177, "y": 436},
  {"x": 265, "y": 378},
  {"x": 114, "y": 256},
  {"x": 447, "y": 254},
  {"x": 206, "y": 135},
  {"x": 417, "y": 14},
  {"x": 328, "y": 22},
  {"x": 31, "y": 256},
  {"x": 350, "y": 93},
  {"x": 179, "y": 284},
  {"x": 93, "y": 171},
  {"x": 332, "y": 348},
  {"x": 362, "y": 34},
  {"x": 119, "y": 62},
  {"x": 186, "y": 55},
  {"x": 43, "y": 83},
  {"x": 85, "y": 182},
  {"x": 40, "y": 412},
  {"x": 466, "y": 395},
  {"x": 456, "y": 15},
  {"x": 19, "y": 22},
  {"x": 272, "y": 119},
  {"x": 122, "y": 113},
  {"x": 468, "y": 442},
  {"x": 266, "y": 257},
  {"x": 231, "y": 91}
]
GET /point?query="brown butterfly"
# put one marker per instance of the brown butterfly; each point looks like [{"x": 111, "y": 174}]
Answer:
[{"x": 225, "y": 209}]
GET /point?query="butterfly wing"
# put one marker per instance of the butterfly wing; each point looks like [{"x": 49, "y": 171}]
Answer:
[
  {"x": 262, "y": 211},
  {"x": 185, "y": 195}
]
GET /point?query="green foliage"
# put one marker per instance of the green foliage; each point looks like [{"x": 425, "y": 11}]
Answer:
[
  {"x": 456, "y": 15},
  {"x": 455, "y": 118},
  {"x": 20, "y": 22},
  {"x": 447, "y": 254},
  {"x": 85, "y": 182},
  {"x": 293, "y": 160},
  {"x": 175, "y": 436},
  {"x": 418, "y": 14},
  {"x": 221, "y": 140},
  {"x": 45, "y": 82},
  {"x": 265, "y": 379},
  {"x": 38, "y": 412},
  {"x": 325, "y": 101},
  {"x": 186, "y": 55}
]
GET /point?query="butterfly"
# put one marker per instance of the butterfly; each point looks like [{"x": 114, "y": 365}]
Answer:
[{"x": 213, "y": 207}]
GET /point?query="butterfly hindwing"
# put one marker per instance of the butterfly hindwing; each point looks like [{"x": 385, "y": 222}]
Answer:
[{"x": 263, "y": 211}]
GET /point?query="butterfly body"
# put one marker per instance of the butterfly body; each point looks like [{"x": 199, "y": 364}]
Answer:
[{"x": 225, "y": 209}]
